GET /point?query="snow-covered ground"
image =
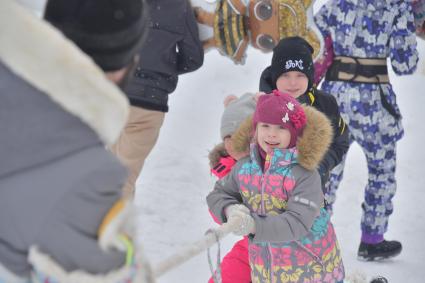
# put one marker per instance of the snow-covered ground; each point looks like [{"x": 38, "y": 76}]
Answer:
[{"x": 175, "y": 180}]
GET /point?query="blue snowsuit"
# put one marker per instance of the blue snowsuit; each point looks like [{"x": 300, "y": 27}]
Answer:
[{"x": 371, "y": 29}]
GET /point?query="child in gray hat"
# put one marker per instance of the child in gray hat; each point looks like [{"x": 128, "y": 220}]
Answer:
[
  {"x": 236, "y": 111},
  {"x": 234, "y": 131}
]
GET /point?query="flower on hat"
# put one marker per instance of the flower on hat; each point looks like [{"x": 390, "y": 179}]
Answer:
[
  {"x": 290, "y": 106},
  {"x": 298, "y": 119},
  {"x": 285, "y": 118}
]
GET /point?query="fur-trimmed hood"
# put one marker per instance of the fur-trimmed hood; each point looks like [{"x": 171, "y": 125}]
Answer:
[
  {"x": 41, "y": 55},
  {"x": 239, "y": 140},
  {"x": 312, "y": 145},
  {"x": 315, "y": 140},
  {"x": 216, "y": 154}
]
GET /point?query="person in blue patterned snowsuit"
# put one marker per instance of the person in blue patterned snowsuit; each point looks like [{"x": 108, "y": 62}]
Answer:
[{"x": 365, "y": 33}]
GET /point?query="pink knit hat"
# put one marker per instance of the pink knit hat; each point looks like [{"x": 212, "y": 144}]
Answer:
[{"x": 281, "y": 109}]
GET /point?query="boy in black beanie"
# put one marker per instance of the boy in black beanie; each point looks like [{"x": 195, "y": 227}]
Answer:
[{"x": 292, "y": 71}]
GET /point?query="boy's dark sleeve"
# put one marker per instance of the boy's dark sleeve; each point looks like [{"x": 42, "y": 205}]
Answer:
[
  {"x": 340, "y": 142},
  {"x": 190, "y": 50}
]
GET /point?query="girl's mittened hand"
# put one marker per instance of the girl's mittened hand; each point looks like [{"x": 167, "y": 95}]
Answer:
[
  {"x": 240, "y": 216},
  {"x": 231, "y": 209},
  {"x": 245, "y": 223}
]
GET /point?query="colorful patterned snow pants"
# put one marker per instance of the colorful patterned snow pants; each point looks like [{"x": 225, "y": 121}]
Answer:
[{"x": 377, "y": 132}]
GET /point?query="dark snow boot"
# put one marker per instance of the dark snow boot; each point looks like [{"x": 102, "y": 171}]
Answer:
[{"x": 382, "y": 250}]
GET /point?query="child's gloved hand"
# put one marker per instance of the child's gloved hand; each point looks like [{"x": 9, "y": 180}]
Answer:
[
  {"x": 223, "y": 167},
  {"x": 239, "y": 213}
]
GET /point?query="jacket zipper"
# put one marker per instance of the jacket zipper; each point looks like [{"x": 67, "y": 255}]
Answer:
[
  {"x": 313, "y": 255},
  {"x": 269, "y": 248},
  {"x": 263, "y": 211},
  {"x": 266, "y": 171}
]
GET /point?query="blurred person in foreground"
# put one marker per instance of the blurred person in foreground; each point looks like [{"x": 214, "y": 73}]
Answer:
[{"x": 61, "y": 214}]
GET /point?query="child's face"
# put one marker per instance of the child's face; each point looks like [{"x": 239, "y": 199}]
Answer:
[
  {"x": 271, "y": 136},
  {"x": 293, "y": 83}
]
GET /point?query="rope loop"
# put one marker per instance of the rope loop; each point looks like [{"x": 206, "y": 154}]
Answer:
[{"x": 217, "y": 274}]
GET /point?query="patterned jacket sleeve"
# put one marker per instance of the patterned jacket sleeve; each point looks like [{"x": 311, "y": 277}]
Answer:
[
  {"x": 225, "y": 193},
  {"x": 403, "y": 52},
  {"x": 303, "y": 207}
]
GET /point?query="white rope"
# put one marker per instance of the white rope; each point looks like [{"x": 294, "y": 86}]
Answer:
[
  {"x": 145, "y": 273},
  {"x": 216, "y": 274},
  {"x": 196, "y": 248},
  {"x": 212, "y": 237}
]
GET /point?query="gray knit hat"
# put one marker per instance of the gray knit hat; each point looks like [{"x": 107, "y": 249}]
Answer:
[{"x": 235, "y": 113}]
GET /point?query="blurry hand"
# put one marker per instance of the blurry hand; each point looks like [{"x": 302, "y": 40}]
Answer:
[{"x": 240, "y": 214}]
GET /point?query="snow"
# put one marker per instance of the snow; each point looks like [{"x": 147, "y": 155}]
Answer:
[
  {"x": 173, "y": 185},
  {"x": 175, "y": 180}
]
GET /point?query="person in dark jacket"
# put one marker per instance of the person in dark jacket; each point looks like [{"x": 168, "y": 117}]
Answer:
[
  {"x": 172, "y": 48},
  {"x": 292, "y": 71},
  {"x": 58, "y": 111}
]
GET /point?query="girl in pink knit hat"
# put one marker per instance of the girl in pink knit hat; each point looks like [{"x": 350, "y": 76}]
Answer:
[{"x": 276, "y": 195}]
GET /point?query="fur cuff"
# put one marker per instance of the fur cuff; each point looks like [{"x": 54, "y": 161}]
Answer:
[
  {"x": 216, "y": 154},
  {"x": 45, "y": 269},
  {"x": 9, "y": 277}
]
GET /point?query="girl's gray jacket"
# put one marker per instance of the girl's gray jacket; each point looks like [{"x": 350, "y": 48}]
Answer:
[{"x": 293, "y": 232}]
